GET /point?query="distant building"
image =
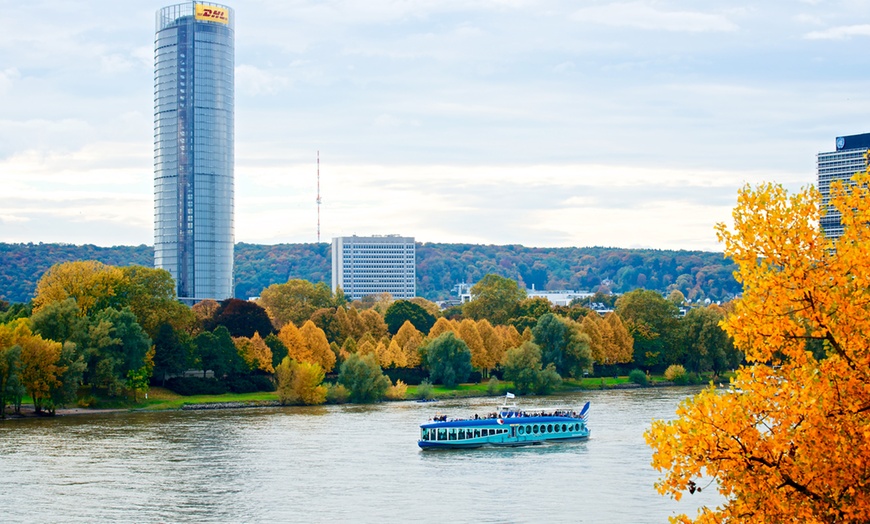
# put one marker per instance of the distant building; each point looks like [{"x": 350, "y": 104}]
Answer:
[
  {"x": 193, "y": 148},
  {"x": 841, "y": 164},
  {"x": 558, "y": 298},
  {"x": 378, "y": 264}
]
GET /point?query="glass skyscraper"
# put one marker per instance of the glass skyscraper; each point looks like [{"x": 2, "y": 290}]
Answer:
[{"x": 193, "y": 148}]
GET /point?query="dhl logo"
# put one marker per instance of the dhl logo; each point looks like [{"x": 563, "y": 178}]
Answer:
[{"x": 212, "y": 14}]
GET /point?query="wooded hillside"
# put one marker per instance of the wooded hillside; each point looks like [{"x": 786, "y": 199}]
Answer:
[{"x": 698, "y": 274}]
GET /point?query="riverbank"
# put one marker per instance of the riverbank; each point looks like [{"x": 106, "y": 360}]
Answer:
[{"x": 160, "y": 399}]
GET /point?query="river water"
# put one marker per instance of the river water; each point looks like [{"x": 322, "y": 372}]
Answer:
[{"x": 333, "y": 464}]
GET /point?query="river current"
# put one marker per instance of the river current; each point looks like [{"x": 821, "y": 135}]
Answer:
[{"x": 333, "y": 464}]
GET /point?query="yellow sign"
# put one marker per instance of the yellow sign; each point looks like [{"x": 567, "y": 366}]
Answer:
[{"x": 211, "y": 13}]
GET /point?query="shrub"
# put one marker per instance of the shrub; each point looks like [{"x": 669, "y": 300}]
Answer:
[
  {"x": 638, "y": 377},
  {"x": 676, "y": 373},
  {"x": 424, "y": 390},
  {"x": 397, "y": 391},
  {"x": 187, "y": 386},
  {"x": 337, "y": 394}
]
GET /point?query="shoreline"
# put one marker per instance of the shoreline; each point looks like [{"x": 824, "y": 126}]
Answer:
[{"x": 27, "y": 413}]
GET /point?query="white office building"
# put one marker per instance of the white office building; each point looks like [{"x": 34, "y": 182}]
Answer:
[
  {"x": 841, "y": 164},
  {"x": 370, "y": 265}
]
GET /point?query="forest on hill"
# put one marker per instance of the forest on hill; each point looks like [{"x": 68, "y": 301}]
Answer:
[{"x": 697, "y": 274}]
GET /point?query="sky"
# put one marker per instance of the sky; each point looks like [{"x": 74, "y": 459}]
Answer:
[{"x": 544, "y": 123}]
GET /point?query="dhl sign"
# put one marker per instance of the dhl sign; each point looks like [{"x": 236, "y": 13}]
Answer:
[{"x": 212, "y": 13}]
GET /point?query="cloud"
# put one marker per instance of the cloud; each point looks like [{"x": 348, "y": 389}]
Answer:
[
  {"x": 640, "y": 15},
  {"x": 7, "y": 78},
  {"x": 839, "y": 32},
  {"x": 251, "y": 80}
]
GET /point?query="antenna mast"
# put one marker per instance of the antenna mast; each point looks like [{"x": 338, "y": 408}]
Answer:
[{"x": 318, "y": 196}]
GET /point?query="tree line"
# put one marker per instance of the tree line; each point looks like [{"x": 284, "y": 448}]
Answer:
[
  {"x": 696, "y": 274},
  {"x": 95, "y": 330}
]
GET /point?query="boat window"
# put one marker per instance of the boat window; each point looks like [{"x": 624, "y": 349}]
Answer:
[
  {"x": 535, "y": 428},
  {"x": 522, "y": 430},
  {"x": 476, "y": 433},
  {"x": 452, "y": 434},
  {"x": 550, "y": 428},
  {"x": 461, "y": 434},
  {"x": 564, "y": 427},
  {"x": 442, "y": 434}
]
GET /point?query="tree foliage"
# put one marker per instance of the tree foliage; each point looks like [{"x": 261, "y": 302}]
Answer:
[
  {"x": 363, "y": 377},
  {"x": 294, "y": 301},
  {"x": 562, "y": 344},
  {"x": 523, "y": 367},
  {"x": 790, "y": 440},
  {"x": 405, "y": 310},
  {"x": 494, "y": 298},
  {"x": 448, "y": 359}
]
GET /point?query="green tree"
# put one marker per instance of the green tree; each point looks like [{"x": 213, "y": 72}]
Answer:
[
  {"x": 652, "y": 322},
  {"x": 523, "y": 367},
  {"x": 448, "y": 359},
  {"x": 405, "y": 310},
  {"x": 60, "y": 321},
  {"x": 279, "y": 350},
  {"x": 494, "y": 298},
  {"x": 707, "y": 347},
  {"x": 73, "y": 365},
  {"x": 10, "y": 374},
  {"x": 117, "y": 344},
  {"x": 172, "y": 352},
  {"x": 563, "y": 344},
  {"x": 217, "y": 352},
  {"x": 363, "y": 377}
]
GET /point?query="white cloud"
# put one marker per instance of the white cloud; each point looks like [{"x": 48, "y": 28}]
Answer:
[
  {"x": 251, "y": 80},
  {"x": 7, "y": 78},
  {"x": 840, "y": 32},
  {"x": 642, "y": 15}
]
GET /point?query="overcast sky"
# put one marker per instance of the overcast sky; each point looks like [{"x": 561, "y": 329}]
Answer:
[{"x": 543, "y": 123}]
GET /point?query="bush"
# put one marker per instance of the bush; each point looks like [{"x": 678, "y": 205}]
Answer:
[
  {"x": 638, "y": 377},
  {"x": 249, "y": 383},
  {"x": 397, "y": 391},
  {"x": 187, "y": 386},
  {"x": 676, "y": 373},
  {"x": 424, "y": 390},
  {"x": 337, "y": 394},
  {"x": 410, "y": 376}
]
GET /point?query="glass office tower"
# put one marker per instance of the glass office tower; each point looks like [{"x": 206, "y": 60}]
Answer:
[{"x": 193, "y": 148}]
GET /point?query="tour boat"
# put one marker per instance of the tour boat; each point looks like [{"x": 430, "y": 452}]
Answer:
[{"x": 509, "y": 426}]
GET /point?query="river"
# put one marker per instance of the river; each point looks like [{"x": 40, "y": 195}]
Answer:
[{"x": 333, "y": 464}]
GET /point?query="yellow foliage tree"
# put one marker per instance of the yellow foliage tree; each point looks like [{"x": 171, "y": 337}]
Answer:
[
  {"x": 441, "y": 326},
  {"x": 292, "y": 339},
  {"x": 395, "y": 356},
  {"x": 40, "y": 369},
  {"x": 91, "y": 283},
  {"x": 318, "y": 346},
  {"x": 409, "y": 339},
  {"x": 471, "y": 336},
  {"x": 492, "y": 342},
  {"x": 510, "y": 337},
  {"x": 300, "y": 383},
  {"x": 591, "y": 325},
  {"x": 621, "y": 342},
  {"x": 255, "y": 352},
  {"x": 789, "y": 441}
]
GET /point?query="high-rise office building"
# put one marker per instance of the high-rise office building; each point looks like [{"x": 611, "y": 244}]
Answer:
[
  {"x": 841, "y": 164},
  {"x": 369, "y": 265},
  {"x": 193, "y": 148}
]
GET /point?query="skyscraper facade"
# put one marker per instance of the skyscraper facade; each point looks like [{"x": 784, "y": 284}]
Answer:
[
  {"x": 378, "y": 264},
  {"x": 840, "y": 164},
  {"x": 193, "y": 148}
]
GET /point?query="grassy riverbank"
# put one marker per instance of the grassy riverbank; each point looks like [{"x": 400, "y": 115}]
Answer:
[{"x": 163, "y": 399}]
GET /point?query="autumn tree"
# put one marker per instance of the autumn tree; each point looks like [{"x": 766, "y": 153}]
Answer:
[
  {"x": 706, "y": 346},
  {"x": 523, "y": 367},
  {"x": 492, "y": 343},
  {"x": 294, "y": 301},
  {"x": 317, "y": 347},
  {"x": 92, "y": 284},
  {"x": 409, "y": 339},
  {"x": 471, "y": 336},
  {"x": 494, "y": 298},
  {"x": 789, "y": 440},
  {"x": 255, "y": 353},
  {"x": 300, "y": 383},
  {"x": 242, "y": 318}
]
